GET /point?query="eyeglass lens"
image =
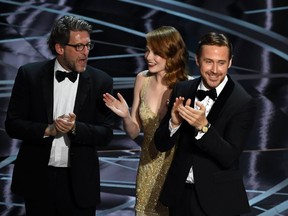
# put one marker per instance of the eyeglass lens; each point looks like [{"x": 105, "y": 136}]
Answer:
[{"x": 80, "y": 47}]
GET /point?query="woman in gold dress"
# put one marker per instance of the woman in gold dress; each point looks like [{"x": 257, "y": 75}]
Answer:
[{"x": 166, "y": 57}]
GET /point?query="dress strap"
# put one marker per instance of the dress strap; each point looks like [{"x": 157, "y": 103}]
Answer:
[{"x": 145, "y": 84}]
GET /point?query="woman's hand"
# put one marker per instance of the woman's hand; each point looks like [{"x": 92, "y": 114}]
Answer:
[{"x": 118, "y": 106}]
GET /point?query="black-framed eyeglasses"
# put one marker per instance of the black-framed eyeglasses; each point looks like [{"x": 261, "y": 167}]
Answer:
[{"x": 80, "y": 47}]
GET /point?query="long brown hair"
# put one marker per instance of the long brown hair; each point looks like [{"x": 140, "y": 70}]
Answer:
[{"x": 168, "y": 43}]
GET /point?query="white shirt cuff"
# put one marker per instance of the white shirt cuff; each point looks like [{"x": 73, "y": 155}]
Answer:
[{"x": 171, "y": 129}]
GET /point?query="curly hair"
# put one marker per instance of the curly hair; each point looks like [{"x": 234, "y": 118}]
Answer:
[
  {"x": 60, "y": 32},
  {"x": 168, "y": 43}
]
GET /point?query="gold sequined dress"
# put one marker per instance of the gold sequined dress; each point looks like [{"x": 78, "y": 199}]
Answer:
[{"x": 153, "y": 165}]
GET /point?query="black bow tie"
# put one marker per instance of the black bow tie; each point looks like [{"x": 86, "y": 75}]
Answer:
[
  {"x": 201, "y": 94},
  {"x": 60, "y": 76}
]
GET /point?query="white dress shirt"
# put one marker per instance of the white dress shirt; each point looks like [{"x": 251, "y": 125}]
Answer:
[{"x": 64, "y": 100}]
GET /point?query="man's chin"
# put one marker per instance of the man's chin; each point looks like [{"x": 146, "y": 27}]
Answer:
[{"x": 81, "y": 70}]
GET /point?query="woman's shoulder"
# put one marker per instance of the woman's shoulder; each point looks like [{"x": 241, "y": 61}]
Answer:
[
  {"x": 190, "y": 77},
  {"x": 141, "y": 79},
  {"x": 143, "y": 74}
]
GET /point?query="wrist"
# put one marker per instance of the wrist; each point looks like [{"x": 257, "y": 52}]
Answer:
[
  {"x": 50, "y": 130},
  {"x": 73, "y": 130},
  {"x": 205, "y": 128},
  {"x": 173, "y": 124}
]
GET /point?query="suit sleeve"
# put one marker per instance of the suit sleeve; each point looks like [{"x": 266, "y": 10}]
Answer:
[
  {"x": 25, "y": 119},
  {"x": 162, "y": 139},
  {"x": 225, "y": 145},
  {"x": 94, "y": 124}
]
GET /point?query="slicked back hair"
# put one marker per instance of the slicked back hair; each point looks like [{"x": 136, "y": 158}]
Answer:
[{"x": 214, "y": 39}]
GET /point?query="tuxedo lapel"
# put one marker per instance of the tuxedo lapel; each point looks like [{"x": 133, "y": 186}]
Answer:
[
  {"x": 192, "y": 91},
  {"x": 47, "y": 80},
  {"x": 82, "y": 92},
  {"x": 221, "y": 100},
  {"x": 188, "y": 90}
]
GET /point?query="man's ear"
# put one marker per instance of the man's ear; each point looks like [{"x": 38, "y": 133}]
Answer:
[
  {"x": 230, "y": 63},
  {"x": 196, "y": 60},
  {"x": 59, "y": 49}
]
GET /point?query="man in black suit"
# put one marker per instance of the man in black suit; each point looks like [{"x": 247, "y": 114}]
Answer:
[
  {"x": 209, "y": 129},
  {"x": 56, "y": 109}
]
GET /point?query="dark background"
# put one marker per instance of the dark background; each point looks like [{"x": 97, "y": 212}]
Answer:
[{"x": 259, "y": 32}]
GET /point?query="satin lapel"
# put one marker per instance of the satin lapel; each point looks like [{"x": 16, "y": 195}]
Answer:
[
  {"x": 221, "y": 100},
  {"x": 82, "y": 92},
  {"x": 47, "y": 80},
  {"x": 192, "y": 91}
]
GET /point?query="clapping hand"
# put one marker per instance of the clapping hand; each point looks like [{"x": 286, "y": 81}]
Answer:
[
  {"x": 65, "y": 123},
  {"x": 118, "y": 106},
  {"x": 176, "y": 119},
  {"x": 195, "y": 117}
]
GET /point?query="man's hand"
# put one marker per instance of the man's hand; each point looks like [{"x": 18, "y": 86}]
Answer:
[
  {"x": 195, "y": 117},
  {"x": 50, "y": 130},
  {"x": 176, "y": 119},
  {"x": 65, "y": 123}
]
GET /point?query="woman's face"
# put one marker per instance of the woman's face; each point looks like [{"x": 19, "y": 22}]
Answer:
[{"x": 156, "y": 64}]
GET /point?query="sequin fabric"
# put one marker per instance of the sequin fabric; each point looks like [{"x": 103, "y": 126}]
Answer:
[{"x": 153, "y": 165}]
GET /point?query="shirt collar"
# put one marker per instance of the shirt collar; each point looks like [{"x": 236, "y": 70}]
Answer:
[
  {"x": 57, "y": 66},
  {"x": 219, "y": 88}
]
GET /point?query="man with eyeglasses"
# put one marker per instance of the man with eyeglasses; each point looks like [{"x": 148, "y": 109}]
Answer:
[{"x": 56, "y": 110}]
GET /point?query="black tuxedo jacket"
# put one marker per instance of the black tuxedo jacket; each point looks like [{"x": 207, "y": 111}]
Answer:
[
  {"x": 31, "y": 110},
  {"x": 214, "y": 157}
]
